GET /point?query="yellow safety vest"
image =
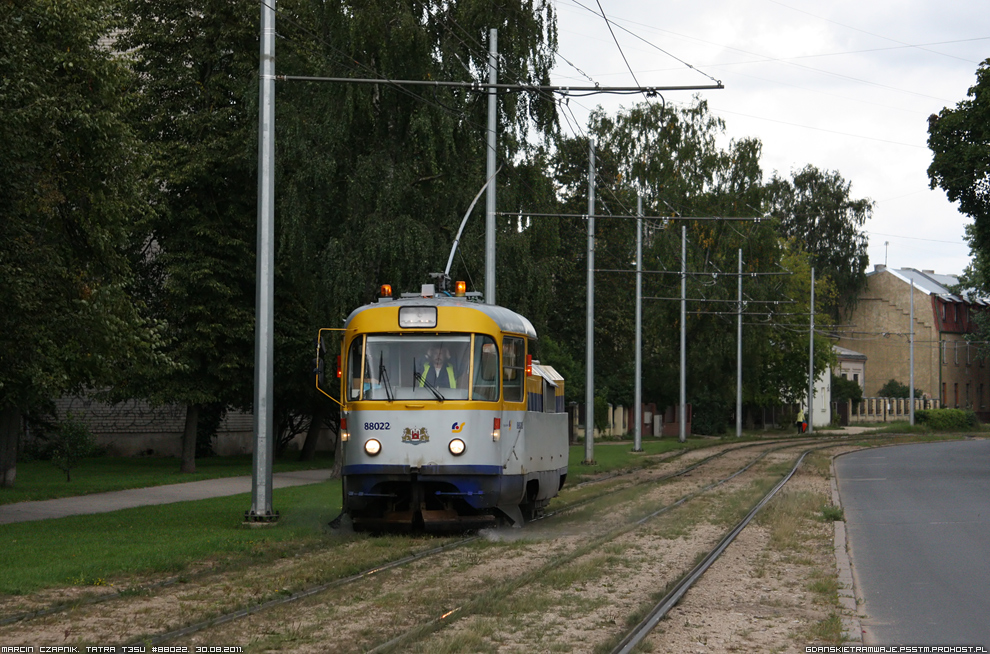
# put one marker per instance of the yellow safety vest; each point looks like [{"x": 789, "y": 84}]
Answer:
[{"x": 450, "y": 375}]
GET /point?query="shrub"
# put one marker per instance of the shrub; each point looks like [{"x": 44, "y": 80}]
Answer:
[
  {"x": 896, "y": 389},
  {"x": 947, "y": 419},
  {"x": 844, "y": 390},
  {"x": 71, "y": 442},
  {"x": 601, "y": 413},
  {"x": 710, "y": 416}
]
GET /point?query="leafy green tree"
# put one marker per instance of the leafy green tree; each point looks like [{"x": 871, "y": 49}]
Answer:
[
  {"x": 373, "y": 180},
  {"x": 674, "y": 158},
  {"x": 815, "y": 208},
  {"x": 71, "y": 213},
  {"x": 196, "y": 66},
  {"x": 959, "y": 139}
]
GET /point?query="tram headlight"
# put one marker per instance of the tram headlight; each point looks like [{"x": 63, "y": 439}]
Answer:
[
  {"x": 457, "y": 447},
  {"x": 497, "y": 429},
  {"x": 345, "y": 434},
  {"x": 372, "y": 447}
]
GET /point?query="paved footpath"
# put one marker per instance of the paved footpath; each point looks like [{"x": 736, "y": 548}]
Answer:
[{"x": 126, "y": 499}]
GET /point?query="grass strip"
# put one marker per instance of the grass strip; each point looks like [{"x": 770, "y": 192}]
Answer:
[
  {"x": 93, "y": 550},
  {"x": 40, "y": 480}
]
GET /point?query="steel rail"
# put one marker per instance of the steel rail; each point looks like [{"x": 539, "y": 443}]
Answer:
[
  {"x": 640, "y": 631},
  {"x": 469, "y": 608},
  {"x": 314, "y": 590},
  {"x": 244, "y": 612},
  {"x": 218, "y": 620},
  {"x": 89, "y": 601}
]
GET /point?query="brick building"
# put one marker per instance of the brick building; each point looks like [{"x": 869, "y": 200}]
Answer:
[{"x": 946, "y": 366}]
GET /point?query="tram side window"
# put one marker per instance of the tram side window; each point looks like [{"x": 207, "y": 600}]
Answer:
[
  {"x": 354, "y": 369},
  {"x": 485, "y": 384},
  {"x": 513, "y": 368}
]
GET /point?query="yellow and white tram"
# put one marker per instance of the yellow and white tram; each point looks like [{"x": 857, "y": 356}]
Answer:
[{"x": 446, "y": 421}]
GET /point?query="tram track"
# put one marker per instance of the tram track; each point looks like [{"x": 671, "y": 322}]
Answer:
[
  {"x": 638, "y": 633},
  {"x": 506, "y": 587},
  {"x": 148, "y": 588},
  {"x": 228, "y": 616}
]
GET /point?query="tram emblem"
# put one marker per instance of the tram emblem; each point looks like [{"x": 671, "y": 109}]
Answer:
[{"x": 415, "y": 435}]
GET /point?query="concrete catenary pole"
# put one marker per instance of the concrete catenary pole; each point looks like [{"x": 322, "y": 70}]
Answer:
[
  {"x": 739, "y": 353},
  {"x": 589, "y": 373},
  {"x": 911, "y": 337},
  {"x": 638, "y": 399},
  {"x": 682, "y": 405},
  {"x": 261, "y": 483},
  {"x": 490, "y": 197},
  {"x": 811, "y": 360}
]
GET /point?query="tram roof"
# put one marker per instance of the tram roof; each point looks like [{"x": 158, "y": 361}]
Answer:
[{"x": 506, "y": 319}]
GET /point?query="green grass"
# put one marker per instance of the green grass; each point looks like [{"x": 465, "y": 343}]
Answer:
[
  {"x": 92, "y": 550},
  {"x": 41, "y": 480},
  {"x": 904, "y": 427},
  {"x": 618, "y": 455}
]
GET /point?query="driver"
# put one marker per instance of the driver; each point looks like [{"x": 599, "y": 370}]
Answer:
[{"x": 438, "y": 371}]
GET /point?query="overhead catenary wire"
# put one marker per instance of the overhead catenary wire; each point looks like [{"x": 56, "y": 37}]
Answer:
[
  {"x": 484, "y": 86},
  {"x": 531, "y": 214}
]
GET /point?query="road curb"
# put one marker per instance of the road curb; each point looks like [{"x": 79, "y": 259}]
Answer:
[{"x": 852, "y": 627}]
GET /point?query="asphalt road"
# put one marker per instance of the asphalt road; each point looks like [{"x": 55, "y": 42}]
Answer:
[{"x": 918, "y": 524}]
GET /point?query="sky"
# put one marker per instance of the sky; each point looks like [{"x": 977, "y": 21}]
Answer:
[{"x": 845, "y": 86}]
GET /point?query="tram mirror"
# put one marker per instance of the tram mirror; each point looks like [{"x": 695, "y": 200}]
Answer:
[
  {"x": 319, "y": 362},
  {"x": 318, "y": 369}
]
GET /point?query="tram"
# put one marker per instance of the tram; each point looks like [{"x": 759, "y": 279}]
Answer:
[{"x": 446, "y": 421}]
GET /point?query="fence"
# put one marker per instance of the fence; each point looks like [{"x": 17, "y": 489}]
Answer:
[{"x": 881, "y": 409}]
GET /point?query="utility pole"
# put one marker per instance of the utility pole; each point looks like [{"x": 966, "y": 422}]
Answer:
[
  {"x": 638, "y": 399},
  {"x": 911, "y": 337},
  {"x": 682, "y": 406},
  {"x": 739, "y": 355},
  {"x": 811, "y": 360},
  {"x": 264, "y": 442},
  {"x": 589, "y": 373},
  {"x": 490, "y": 197}
]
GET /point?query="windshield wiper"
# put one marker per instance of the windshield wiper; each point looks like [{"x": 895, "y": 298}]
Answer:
[
  {"x": 383, "y": 377},
  {"x": 421, "y": 378}
]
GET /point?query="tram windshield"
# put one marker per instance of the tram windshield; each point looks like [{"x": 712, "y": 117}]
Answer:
[{"x": 428, "y": 367}]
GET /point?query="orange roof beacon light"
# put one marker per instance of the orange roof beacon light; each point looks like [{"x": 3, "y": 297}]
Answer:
[
  {"x": 529, "y": 364},
  {"x": 386, "y": 290},
  {"x": 460, "y": 289}
]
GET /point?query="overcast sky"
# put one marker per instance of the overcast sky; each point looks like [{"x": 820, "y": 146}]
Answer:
[{"x": 842, "y": 85}]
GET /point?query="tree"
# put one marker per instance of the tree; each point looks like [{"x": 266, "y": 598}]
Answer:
[
  {"x": 196, "y": 66},
  {"x": 959, "y": 139},
  {"x": 373, "y": 180},
  {"x": 674, "y": 157},
  {"x": 816, "y": 209},
  {"x": 71, "y": 213},
  {"x": 71, "y": 442}
]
